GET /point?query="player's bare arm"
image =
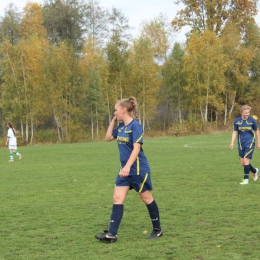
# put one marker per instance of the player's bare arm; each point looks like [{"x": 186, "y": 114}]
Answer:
[
  {"x": 110, "y": 129},
  {"x": 258, "y": 138},
  {"x": 126, "y": 169},
  {"x": 233, "y": 138}
]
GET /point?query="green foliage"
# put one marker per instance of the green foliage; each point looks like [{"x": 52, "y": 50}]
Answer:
[
  {"x": 9, "y": 25},
  {"x": 174, "y": 82},
  {"x": 64, "y": 22},
  {"x": 204, "y": 68},
  {"x": 117, "y": 53},
  {"x": 96, "y": 23},
  {"x": 178, "y": 129},
  {"x": 46, "y": 136},
  {"x": 191, "y": 126},
  {"x": 58, "y": 197},
  {"x": 146, "y": 78}
]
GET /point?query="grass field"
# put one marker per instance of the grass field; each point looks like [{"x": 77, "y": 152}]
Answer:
[{"x": 58, "y": 197}]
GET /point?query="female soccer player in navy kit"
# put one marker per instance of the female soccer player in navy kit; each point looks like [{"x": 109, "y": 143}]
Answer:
[
  {"x": 134, "y": 172},
  {"x": 247, "y": 129}
]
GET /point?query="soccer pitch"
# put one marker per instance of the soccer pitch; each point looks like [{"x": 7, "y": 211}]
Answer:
[{"x": 58, "y": 197}]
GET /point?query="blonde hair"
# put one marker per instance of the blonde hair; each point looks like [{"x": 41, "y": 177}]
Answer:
[
  {"x": 130, "y": 104},
  {"x": 245, "y": 107}
]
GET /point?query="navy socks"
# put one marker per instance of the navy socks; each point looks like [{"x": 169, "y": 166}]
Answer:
[
  {"x": 246, "y": 171},
  {"x": 154, "y": 214},
  {"x": 252, "y": 169},
  {"x": 116, "y": 216}
]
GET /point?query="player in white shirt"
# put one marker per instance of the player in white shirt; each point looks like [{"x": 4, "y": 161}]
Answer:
[{"x": 12, "y": 143}]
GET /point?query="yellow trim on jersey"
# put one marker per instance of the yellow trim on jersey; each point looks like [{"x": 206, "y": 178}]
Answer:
[
  {"x": 252, "y": 141},
  {"x": 128, "y": 132},
  {"x": 239, "y": 142},
  {"x": 248, "y": 123},
  {"x": 145, "y": 178},
  {"x": 137, "y": 166},
  {"x": 139, "y": 138}
]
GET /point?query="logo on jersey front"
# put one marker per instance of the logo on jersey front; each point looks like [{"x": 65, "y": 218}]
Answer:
[
  {"x": 122, "y": 139},
  {"x": 244, "y": 128}
]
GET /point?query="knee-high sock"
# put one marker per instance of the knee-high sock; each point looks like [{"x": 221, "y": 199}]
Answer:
[
  {"x": 116, "y": 216},
  {"x": 154, "y": 214},
  {"x": 252, "y": 169},
  {"x": 246, "y": 171},
  {"x": 16, "y": 153}
]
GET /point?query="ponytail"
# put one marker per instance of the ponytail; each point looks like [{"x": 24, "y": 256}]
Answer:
[
  {"x": 131, "y": 105},
  {"x": 11, "y": 126}
]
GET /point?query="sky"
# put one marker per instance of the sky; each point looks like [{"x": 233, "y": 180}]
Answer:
[{"x": 135, "y": 10}]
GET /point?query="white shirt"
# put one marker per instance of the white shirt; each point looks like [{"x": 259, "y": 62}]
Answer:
[{"x": 11, "y": 136}]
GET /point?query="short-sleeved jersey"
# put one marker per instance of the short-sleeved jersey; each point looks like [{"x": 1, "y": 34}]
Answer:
[
  {"x": 126, "y": 137},
  {"x": 12, "y": 137},
  {"x": 246, "y": 131}
]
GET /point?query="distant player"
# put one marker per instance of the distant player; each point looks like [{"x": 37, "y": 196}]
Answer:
[
  {"x": 247, "y": 129},
  {"x": 134, "y": 172},
  {"x": 12, "y": 143}
]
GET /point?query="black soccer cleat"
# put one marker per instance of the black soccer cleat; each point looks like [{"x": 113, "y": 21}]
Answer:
[
  {"x": 155, "y": 233},
  {"x": 107, "y": 237}
]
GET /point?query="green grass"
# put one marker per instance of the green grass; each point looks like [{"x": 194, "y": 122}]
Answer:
[{"x": 58, "y": 197}]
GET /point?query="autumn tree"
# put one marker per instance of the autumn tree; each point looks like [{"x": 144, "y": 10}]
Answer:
[
  {"x": 201, "y": 15},
  {"x": 145, "y": 78},
  {"x": 242, "y": 13},
  {"x": 213, "y": 15},
  {"x": 9, "y": 24},
  {"x": 173, "y": 85},
  {"x": 64, "y": 93},
  {"x": 229, "y": 20},
  {"x": 117, "y": 52},
  {"x": 96, "y": 23},
  {"x": 94, "y": 80},
  {"x": 11, "y": 83},
  {"x": 237, "y": 57},
  {"x": 158, "y": 31},
  {"x": 65, "y": 22},
  {"x": 252, "y": 40},
  {"x": 23, "y": 71},
  {"x": 33, "y": 45},
  {"x": 204, "y": 68}
]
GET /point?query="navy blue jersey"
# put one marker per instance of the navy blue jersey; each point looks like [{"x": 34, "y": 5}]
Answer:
[
  {"x": 246, "y": 131},
  {"x": 126, "y": 137}
]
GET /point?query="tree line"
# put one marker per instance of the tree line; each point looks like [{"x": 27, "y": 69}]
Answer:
[{"x": 65, "y": 63}]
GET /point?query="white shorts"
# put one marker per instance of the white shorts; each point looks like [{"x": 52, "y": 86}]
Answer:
[{"x": 12, "y": 147}]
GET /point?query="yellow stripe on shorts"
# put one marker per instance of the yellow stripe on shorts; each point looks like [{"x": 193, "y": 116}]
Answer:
[{"x": 145, "y": 178}]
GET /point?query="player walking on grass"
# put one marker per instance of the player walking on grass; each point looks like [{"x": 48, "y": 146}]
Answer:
[
  {"x": 247, "y": 129},
  {"x": 134, "y": 172},
  {"x": 12, "y": 143}
]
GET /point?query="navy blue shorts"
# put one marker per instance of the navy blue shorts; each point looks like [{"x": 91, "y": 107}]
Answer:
[
  {"x": 246, "y": 152},
  {"x": 139, "y": 183}
]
